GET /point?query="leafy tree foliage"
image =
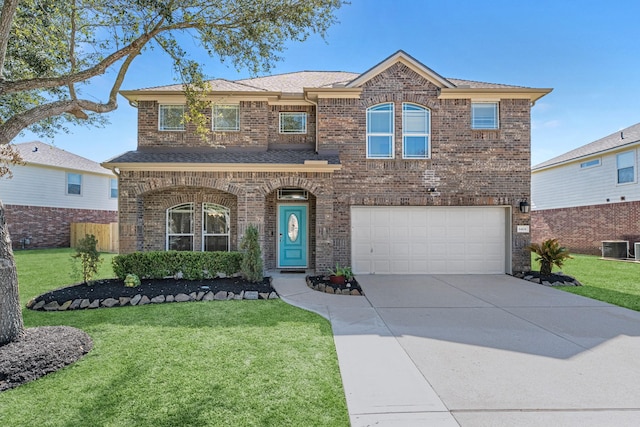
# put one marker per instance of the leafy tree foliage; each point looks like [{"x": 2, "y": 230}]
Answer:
[
  {"x": 50, "y": 50},
  {"x": 87, "y": 253}
]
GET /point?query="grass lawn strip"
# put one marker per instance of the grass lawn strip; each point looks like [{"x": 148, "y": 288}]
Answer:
[
  {"x": 615, "y": 282},
  {"x": 241, "y": 363}
]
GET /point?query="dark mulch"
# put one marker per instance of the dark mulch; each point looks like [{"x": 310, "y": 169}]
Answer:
[
  {"x": 114, "y": 288},
  {"x": 40, "y": 351},
  {"x": 321, "y": 283},
  {"x": 554, "y": 279}
]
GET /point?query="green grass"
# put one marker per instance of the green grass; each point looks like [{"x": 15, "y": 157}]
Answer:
[
  {"x": 232, "y": 363},
  {"x": 615, "y": 282}
]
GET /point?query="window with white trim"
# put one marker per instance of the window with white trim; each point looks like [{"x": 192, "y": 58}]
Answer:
[
  {"x": 180, "y": 227},
  {"x": 74, "y": 184},
  {"x": 293, "y": 122},
  {"x": 590, "y": 164},
  {"x": 226, "y": 118},
  {"x": 626, "y": 165},
  {"x": 171, "y": 117},
  {"x": 215, "y": 227},
  {"x": 113, "y": 188},
  {"x": 415, "y": 131},
  {"x": 380, "y": 131},
  {"x": 484, "y": 115}
]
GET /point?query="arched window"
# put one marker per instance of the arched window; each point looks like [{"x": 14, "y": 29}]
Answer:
[
  {"x": 380, "y": 131},
  {"x": 180, "y": 227},
  {"x": 415, "y": 131},
  {"x": 215, "y": 227}
]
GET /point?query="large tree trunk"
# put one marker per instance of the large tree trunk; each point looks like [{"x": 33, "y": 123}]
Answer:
[{"x": 11, "y": 326}]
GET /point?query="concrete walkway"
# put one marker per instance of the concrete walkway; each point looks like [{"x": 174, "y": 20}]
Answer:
[{"x": 478, "y": 351}]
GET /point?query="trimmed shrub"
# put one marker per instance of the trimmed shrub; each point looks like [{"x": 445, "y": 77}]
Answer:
[
  {"x": 131, "y": 281},
  {"x": 192, "y": 265},
  {"x": 251, "y": 266}
]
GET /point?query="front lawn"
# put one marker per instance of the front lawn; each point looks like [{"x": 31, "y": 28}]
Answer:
[
  {"x": 615, "y": 282},
  {"x": 233, "y": 363}
]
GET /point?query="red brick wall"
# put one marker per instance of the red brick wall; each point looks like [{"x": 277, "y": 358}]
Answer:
[
  {"x": 467, "y": 167},
  {"x": 582, "y": 229},
  {"x": 49, "y": 227}
]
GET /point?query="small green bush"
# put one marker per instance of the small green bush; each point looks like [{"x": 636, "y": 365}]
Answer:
[
  {"x": 192, "y": 265},
  {"x": 549, "y": 253},
  {"x": 131, "y": 281},
  {"x": 251, "y": 265},
  {"x": 89, "y": 257},
  {"x": 342, "y": 271}
]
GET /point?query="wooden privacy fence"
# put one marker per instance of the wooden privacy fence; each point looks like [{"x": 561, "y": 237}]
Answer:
[{"x": 106, "y": 234}]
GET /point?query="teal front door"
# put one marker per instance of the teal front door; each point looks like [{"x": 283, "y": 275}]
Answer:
[{"x": 292, "y": 236}]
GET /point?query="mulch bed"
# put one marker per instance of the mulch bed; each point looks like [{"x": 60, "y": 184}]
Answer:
[
  {"x": 113, "y": 292},
  {"x": 323, "y": 284},
  {"x": 554, "y": 279},
  {"x": 40, "y": 351},
  {"x": 114, "y": 288}
]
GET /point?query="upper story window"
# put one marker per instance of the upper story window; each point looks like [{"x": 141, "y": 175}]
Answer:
[
  {"x": 626, "y": 165},
  {"x": 293, "y": 122},
  {"x": 215, "y": 227},
  {"x": 113, "y": 188},
  {"x": 590, "y": 164},
  {"x": 180, "y": 227},
  {"x": 171, "y": 117},
  {"x": 484, "y": 115},
  {"x": 380, "y": 131},
  {"x": 74, "y": 184},
  {"x": 415, "y": 131},
  {"x": 226, "y": 117}
]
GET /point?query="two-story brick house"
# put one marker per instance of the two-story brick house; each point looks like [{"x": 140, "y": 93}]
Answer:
[{"x": 395, "y": 170}]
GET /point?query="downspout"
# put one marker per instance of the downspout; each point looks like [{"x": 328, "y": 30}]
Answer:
[{"x": 315, "y": 104}]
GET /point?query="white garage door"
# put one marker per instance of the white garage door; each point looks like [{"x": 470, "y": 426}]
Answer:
[{"x": 433, "y": 240}]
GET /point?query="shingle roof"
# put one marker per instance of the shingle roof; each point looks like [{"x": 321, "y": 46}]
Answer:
[
  {"x": 295, "y": 82},
  {"x": 39, "y": 153},
  {"x": 630, "y": 135},
  {"x": 295, "y": 157}
]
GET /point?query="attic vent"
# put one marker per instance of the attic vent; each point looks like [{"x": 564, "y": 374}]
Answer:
[{"x": 339, "y": 85}]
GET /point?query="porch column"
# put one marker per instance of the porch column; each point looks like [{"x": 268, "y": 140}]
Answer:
[
  {"x": 251, "y": 211},
  {"x": 324, "y": 232}
]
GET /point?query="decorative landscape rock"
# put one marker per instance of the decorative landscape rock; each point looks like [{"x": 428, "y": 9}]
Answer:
[
  {"x": 556, "y": 279},
  {"x": 59, "y": 300},
  {"x": 323, "y": 284}
]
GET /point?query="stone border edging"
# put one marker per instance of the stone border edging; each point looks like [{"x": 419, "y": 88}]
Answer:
[
  {"x": 329, "y": 289},
  {"x": 570, "y": 281},
  {"x": 137, "y": 300}
]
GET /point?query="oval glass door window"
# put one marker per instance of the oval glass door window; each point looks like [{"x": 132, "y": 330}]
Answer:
[{"x": 293, "y": 227}]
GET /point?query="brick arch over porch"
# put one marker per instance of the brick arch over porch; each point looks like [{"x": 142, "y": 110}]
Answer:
[
  {"x": 321, "y": 217},
  {"x": 160, "y": 184},
  {"x": 152, "y": 214},
  {"x": 316, "y": 188}
]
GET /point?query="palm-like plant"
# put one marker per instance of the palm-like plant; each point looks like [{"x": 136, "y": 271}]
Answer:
[{"x": 549, "y": 253}]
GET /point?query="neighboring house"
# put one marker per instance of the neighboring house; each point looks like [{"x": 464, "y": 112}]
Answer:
[
  {"x": 51, "y": 190},
  {"x": 395, "y": 170},
  {"x": 590, "y": 194}
]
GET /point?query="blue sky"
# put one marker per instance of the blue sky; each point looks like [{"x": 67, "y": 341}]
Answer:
[{"x": 587, "y": 51}]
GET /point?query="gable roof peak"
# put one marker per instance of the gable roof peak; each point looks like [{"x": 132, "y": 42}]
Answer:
[{"x": 408, "y": 60}]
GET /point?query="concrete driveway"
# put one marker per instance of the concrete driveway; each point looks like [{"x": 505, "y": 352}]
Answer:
[{"x": 481, "y": 351}]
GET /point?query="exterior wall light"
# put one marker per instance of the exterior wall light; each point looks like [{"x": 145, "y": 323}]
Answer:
[{"x": 524, "y": 206}]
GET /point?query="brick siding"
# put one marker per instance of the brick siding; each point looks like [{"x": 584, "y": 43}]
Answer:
[
  {"x": 49, "y": 227},
  {"x": 467, "y": 168},
  {"x": 582, "y": 229}
]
